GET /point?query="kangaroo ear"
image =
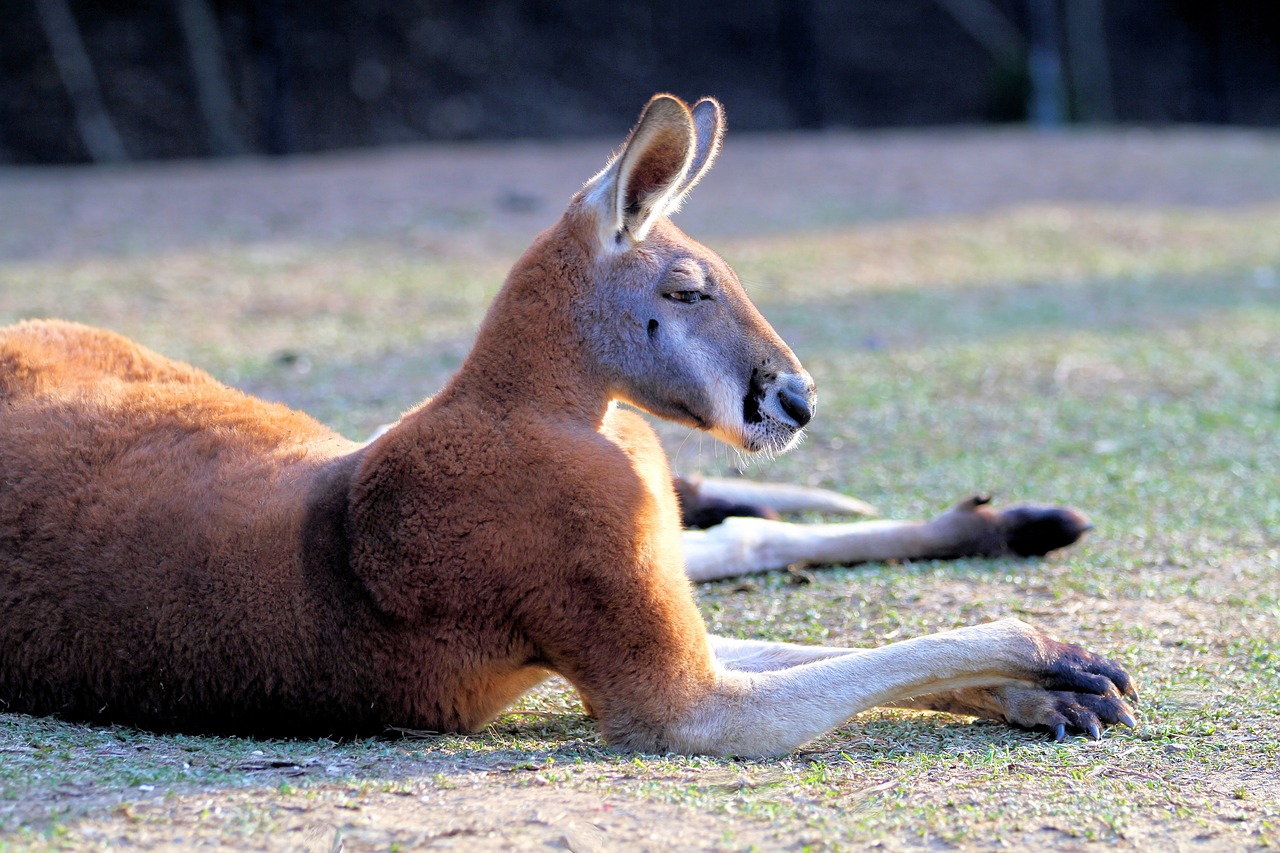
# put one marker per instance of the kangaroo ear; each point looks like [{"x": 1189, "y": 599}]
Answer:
[
  {"x": 708, "y": 126},
  {"x": 643, "y": 181}
]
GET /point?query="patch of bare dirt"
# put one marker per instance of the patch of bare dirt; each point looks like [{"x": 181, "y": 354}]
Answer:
[
  {"x": 471, "y": 812},
  {"x": 448, "y": 199}
]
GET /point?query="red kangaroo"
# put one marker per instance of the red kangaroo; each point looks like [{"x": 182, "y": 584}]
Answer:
[{"x": 177, "y": 555}]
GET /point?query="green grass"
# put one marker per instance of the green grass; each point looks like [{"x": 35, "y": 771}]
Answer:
[{"x": 1124, "y": 361}]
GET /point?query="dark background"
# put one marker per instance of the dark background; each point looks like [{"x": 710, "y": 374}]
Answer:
[{"x": 123, "y": 80}]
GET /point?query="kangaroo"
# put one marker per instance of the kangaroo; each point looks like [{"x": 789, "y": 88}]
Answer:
[{"x": 179, "y": 556}]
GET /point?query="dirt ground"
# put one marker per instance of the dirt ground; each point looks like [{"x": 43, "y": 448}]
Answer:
[{"x": 452, "y": 199}]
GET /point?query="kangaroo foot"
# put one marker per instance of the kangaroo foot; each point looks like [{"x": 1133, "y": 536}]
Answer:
[
  {"x": 973, "y": 528},
  {"x": 1059, "y": 712}
]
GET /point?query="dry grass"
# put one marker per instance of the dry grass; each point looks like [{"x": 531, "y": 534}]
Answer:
[{"x": 1107, "y": 344}]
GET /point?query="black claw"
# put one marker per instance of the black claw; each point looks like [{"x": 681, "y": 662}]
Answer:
[
  {"x": 1124, "y": 684},
  {"x": 1094, "y": 731},
  {"x": 1127, "y": 718},
  {"x": 1060, "y": 733}
]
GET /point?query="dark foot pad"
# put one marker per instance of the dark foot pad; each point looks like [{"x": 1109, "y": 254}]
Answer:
[
  {"x": 1024, "y": 530},
  {"x": 1031, "y": 530}
]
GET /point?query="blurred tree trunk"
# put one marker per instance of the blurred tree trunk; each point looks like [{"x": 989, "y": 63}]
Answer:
[
  {"x": 97, "y": 131},
  {"x": 204, "y": 48},
  {"x": 1044, "y": 64},
  {"x": 1088, "y": 61}
]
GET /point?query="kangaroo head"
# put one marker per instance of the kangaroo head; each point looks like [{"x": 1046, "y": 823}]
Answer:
[{"x": 666, "y": 321}]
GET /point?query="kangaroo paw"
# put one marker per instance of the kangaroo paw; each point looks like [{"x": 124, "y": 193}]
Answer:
[
  {"x": 1060, "y": 688},
  {"x": 1069, "y": 667},
  {"x": 1059, "y": 712},
  {"x": 1062, "y": 712},
  {"x": 1081, "y": 692}
]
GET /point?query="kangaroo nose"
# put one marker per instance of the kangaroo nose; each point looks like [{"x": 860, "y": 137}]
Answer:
[{"x": 796, "y": 398}]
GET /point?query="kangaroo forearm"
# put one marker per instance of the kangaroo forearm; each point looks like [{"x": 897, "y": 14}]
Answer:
[{"x": 769, "y": 713}]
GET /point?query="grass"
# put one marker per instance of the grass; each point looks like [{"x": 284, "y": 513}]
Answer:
[{"x": 1121, "y": 360}]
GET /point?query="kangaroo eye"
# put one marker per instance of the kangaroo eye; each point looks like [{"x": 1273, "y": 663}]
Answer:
[{"x": 688, "y": 297}]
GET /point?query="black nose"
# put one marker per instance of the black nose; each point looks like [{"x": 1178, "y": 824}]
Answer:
[{"x": 796, "y": 405}]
